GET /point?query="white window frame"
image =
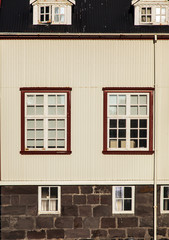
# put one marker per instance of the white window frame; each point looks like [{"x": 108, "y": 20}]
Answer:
[
  {"x": 50, "y": 14},
  {"x": 128, "y": 117},
  {"x": 162, "y": 200},
  {"x": 114, "y": 211},
  {"x": 53, "y": 14},
  {"x": 45, "y": 118},
  {"x": 40, "y": 198}
]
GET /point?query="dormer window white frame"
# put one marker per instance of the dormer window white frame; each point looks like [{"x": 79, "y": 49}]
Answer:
[
  {"x": 45, "y": 14},
  {"x": 151, "y": 12}
]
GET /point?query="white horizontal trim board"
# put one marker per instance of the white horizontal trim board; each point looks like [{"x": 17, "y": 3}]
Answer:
[{"x": 58, "y": 183}]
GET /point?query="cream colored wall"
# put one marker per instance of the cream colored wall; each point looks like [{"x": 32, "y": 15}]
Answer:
[{"x": 86, "y": 66}]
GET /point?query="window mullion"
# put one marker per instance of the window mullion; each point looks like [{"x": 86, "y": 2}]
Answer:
[
  {"x": 45, "y": 121},
  {"x": 127, "y": 121}
]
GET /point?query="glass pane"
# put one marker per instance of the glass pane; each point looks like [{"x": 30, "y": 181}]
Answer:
[
  {"x": 51, "y": 110},
  {"x": 166, "y": 204},
  {"x": 61, "y": 99},
  {"x": 143, "y": 110},
  {"x": 51, "y": 99},
  {"x": 163, "y": 11},
  {"x": 148, "y": 10},
  {"x": 39, "y": 99},
  {"x": 39, "y": 110},
  {"x": 122, "y": 110},
  {"x": 51, "y": 143},
  {"x": 47, "y": 17},
  {"x": 158, "y": 11},
  {"x": 56, "y": 18},
  {"x": 51, "y": 123},
  {"x": 127, "y": 205},
  {"x": 113, "y": 133},
  {"x": 30, "y": 143},
  {"x": 134, "y": 143},
  {"x": 122, "y": 133},
  {"x": 60, "y": 134},
  {"x": 30, "y": 123},
  {"x": 122, "y": 99},
  {"x": 113, "y": 123},
  {"x": 134, "y": 123},
  {"x": 127, "y": 192},
  {"x": 53, "y": 205},
  {"x": 112, "y": 110},
  {"x": 143, "y": 133},
  {"x": 60, "y": 123},
  {"x": 52, "y": 134},
  {"x": 134, "y": 99},
  {"x": 163, "y": 19},
  {"x": 62, "y": 10},
  {"x": 62, "y": 18},
  {"x": 39, "y": 134},
  {"x": 47, "y": 9},
  {"x": 54, "y": 192},
  {"x": 60, "y": 110},
  {"x": 166, "y": 192},
  {"x": 45, "y": 192},
  {"x": 143, "y": 18},
  {"x": 143, "y": 123},
  {"x": 122, "y": 123},
  {"x": 31, "y": 134},
  {"x": 57, "y": 10},
  {"x": 133, "y": 133},
  {"x": 157, "y": 19},
  {"x": 142, "y": 143},
  {"x": 60, "y": 143},
  {"x": 42, "y": 9},
  {"x": 143, "y": 11},
  {"x": 45, "y": 205},
  {"x": 134, "y": 110},
  {"x": 39, "y": 123},
  {"x": 148, "y": 18},
  {"x": 113, "y": 99},
  {"x": 30, "y": 99},
  {"x": 121, "y": 143},
  {"x": 113, "y": 143},
  {"x": 39, "y": 144},
  {"x": 143, "y": 99},
  {"x": 30, "y": 110},
  {"x": 119, "y": 205},
  {"x": 119, "y": 192},
  {"x": 42, "y": 18}
]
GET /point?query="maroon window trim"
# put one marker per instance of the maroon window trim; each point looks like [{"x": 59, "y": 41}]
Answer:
[
  {"x": 45, "y": 90},
  {"x": 127, "y": 90}
]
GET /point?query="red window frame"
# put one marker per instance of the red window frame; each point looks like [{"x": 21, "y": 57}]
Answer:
[
  {"x": 66, "y": 90},
  {"x": 128, "y": 90}
]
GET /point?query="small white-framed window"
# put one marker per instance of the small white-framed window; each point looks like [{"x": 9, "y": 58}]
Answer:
[
  {"x": 146, "y": 15},
  {"x": 123, "y": 199},
  {"x": 59, "y": 14},
  {"x": 49, "y": 200},
  {"x": 45, "y": 14},
  {"x": 160, "y": 14},
  {"x": 164, "y": 203}
]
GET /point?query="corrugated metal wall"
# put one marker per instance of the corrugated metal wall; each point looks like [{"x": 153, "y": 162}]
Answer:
[{"x": 86, "y": 66}]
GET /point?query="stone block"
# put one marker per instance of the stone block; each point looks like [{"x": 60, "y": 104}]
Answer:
[
  {"x": 44, "y": 222},
  {"x": 15, "y": 200},
  {"x": 163, "y": 221},
  {"x": 86, "y": 189},
  {"x": 101, "y": 211},
  {"x": 78, "y": 222},
  {"x": 136, "y": 232},
  {"x": 117, "y": 233},
  {"x": 55, "y": 234},
  {"x": 108, "y": 223},
  {"x": 5, "y": 200},
  {"x": 24, "y": 223},
  {"x": 79, "y": 199},
  {"x": 70, "y": 189},
  {"x": 5, "y": 222},
  {"x": 144, "y": 189},
  {"x": 32, "y": 210},
  {"x": 106, "y": 199},
  {"x": 99, "y": 233},
  {"x": 13, "y": 190},
  {"x": 127, "y": 222},
  {"x": 91, "y": 222},
  {"x": 36, "y": 234},
  {"x": 28, "y": 199},
  {"x": 69, "y": 210},
  {"x": 144, "y": 211},
  {"x": 13, "y": 235},
  {"x": 85, "y": 211},
  {"x": 64, "y": 222},
  {"x": 146, "y": 222},
  {"x": 77, "y": 233},
  {"x": 160, "y": 231},
  {"x": 66, "y": 200},
  {"x": 13, "y": 210},
  {"x": 93, "y": 199},
  {"x": 103, "y": 189}
]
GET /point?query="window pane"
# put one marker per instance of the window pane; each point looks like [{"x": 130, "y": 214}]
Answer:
[
  {"x": 122, "y": 110},
  {"x": 39, "y": 134},
  {"x": 60, "y": 123},
  {"x": 134, "y": 143},
  {"x": 143, "y": 18},
  {"x": 122, "y": 123},
  {"x": 166, "y": 204},
  {"x": 112, "y": 110},
  {"x": 51, "y": 110},
  {"x": 60, "y": 143},
  {"x": 122, "y": 99},
  {"x": 122, "y": 133},
  {"x": 163, "y": 11},
  {"x": 113, "y": 123},
  {"x": 62, "y": 10},
  {"x": 143, "y": 123},
  {"x": 42, "y": 9},
  {"x": 30, "y": 110},
  {"x": 148, "y": 10},
  {"x": 30, "y": 143},
  {"x": 143, "y": 11},
  {"x": 134, "y": 99},
  {"x": 166, "y": 192},
  {"x": 163, "y": 19},
  {"x": 52, "y": 123},
  {"x": 143, "y": 110},
  {"x": 134, "y": 123},
  {"x": 60, "y": 134},
  {"x": 143, "y": 143},
  {"x": 143, "y": 99},
  {"x": 127, "y": 192},
  {"x": 119, "y": 192},
  {"x": 143, "y": 133},
  {"x": 113, "y": 143},
  {"x": 39, "y": 99},
  {"x": 31, "y": 134},
  {"x": 157, "y": 19},
  {"x": 30, "y": 100},
  {"x": 134, "y": 110},
  {"x": 119, "y": 205},
  {"x": 45, "y": 192},
  {"x": 52, "y": 134},
  {"x": 60, "y": 110},
  {"x": 53, "y": 205},
  {"x": 113, "y": 99},
  {"x": 127, "y": 205},
  {"x": 148, "y": 18},
  {"x": 52, "y": 99},
  {"x": 45, "y": 205},
  {"x": 42, "y": 18},
  {"x": 39, "y": 110},
  {"x": 61, "y": 99},
  {"x": 122, "y": 143},
  {"x": 158, "y": 11},
  {"x": 51, "y": 143},
  {"x": 113, "y": 133},
  {"x": 62, "y": 18},
  {"x": 54, "y": 192},
  {"x": 30, "y": 123},
  {"x": 39, "y": 123},
  {"x": 133, "y": 133},
  {"x": 47, "y": 9},
  {"x": 39, "y": 144},
  {"x": 56, "y": 18},
  {"x": 57, "y": 10}
]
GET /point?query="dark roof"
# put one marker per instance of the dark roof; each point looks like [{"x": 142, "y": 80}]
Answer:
[{"x": 88, "y": 16}]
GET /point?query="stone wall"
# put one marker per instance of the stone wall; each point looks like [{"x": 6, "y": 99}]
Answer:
[{"x": 86, "y": 214}]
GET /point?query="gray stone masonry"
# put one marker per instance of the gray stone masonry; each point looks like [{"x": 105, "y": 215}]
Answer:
[{"x": 86, "y": 213}]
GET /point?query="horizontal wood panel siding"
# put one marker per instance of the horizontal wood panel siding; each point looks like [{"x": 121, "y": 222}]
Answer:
[{"x": 86, "y": 66}]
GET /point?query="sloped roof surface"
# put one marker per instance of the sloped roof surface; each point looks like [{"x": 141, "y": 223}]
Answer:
[{"x": 88, "y": 16}]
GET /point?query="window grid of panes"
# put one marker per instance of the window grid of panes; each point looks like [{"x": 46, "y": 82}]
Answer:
[
  {"x": 59, "y": 14},
  {"x": 123, "y": 199},
  {"x": 46, "y": 121},
  {"x": 160, "y": 13},
  {"x": 165, "y": 199},
  {"x": 49, "y": 199},
  {"x": 146, "y": 14},
  {"x": 128, "y": 121},
  {"x": 45, "y": 14}
]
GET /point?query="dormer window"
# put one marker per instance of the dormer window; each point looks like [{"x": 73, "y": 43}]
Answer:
[{"x": 57, "y": 12}]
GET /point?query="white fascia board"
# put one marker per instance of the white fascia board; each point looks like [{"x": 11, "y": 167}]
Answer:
[
  {"x": 134, "y": 2},
  {"x": 32, "y": 1},
  {"x": 72, "y": 1}
]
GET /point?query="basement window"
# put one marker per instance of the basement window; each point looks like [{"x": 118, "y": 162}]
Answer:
[{"x": 164, "y": 199}]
